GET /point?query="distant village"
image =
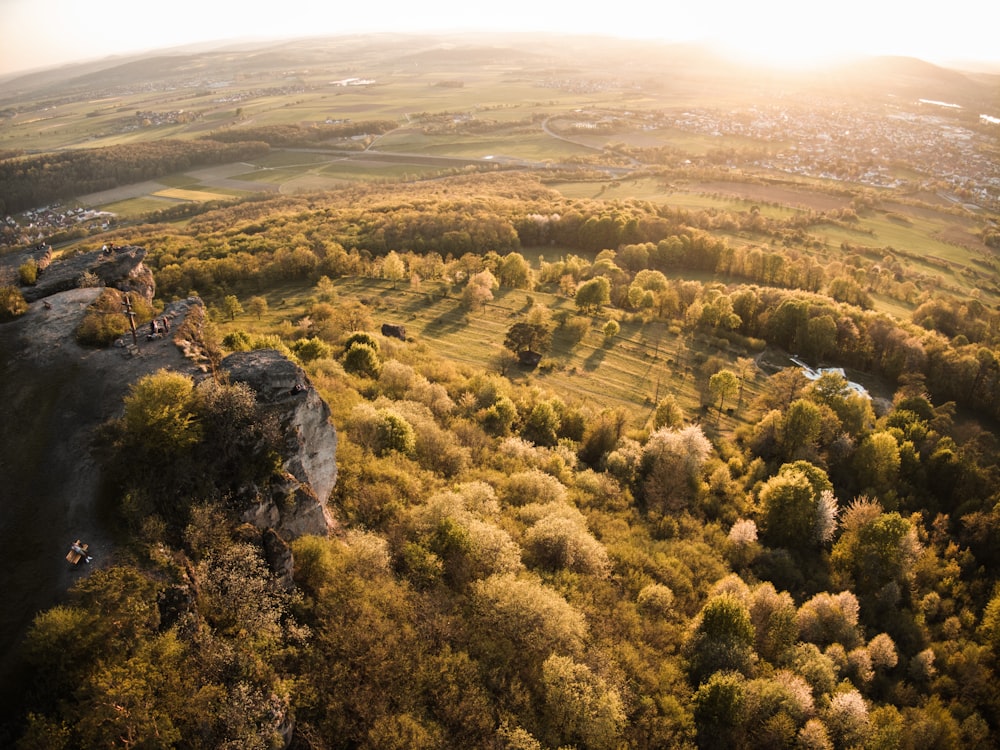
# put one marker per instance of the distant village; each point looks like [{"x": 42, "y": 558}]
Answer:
[
  {"x": 40, "y": 224},
  {"x": 819, "y": 138},
  {"x": 852, "y": 144}
]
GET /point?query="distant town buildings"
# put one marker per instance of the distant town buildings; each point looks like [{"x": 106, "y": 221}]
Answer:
[
  {"x": 867, "y": 146},
  {"x": 37, "y": 225}
]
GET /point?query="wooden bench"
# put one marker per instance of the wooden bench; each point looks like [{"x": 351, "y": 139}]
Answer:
[{"x": 77, "y": 552}]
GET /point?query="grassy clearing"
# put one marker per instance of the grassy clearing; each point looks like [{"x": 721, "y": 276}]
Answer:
[
  {"x": 532, "y": 146},
  {"x": 179, "y": 180},
  {"x": 643, "y": 363},
  {"x": 916, "y": 235},
  {"x": 136, "y": 207},
  {"x": 913, "y": 242},
  {"x": 274, "y": 176},
  {"x": 282, "y": 158},
  {"x": 365, "y": 171},
  {"x": 656, "y": 190}
]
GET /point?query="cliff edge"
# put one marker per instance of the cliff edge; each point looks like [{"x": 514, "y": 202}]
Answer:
[{"x": 54, "y": 393}]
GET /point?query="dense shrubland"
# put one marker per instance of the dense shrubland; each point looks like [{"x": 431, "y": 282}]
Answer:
[{"x": 524, "y": 569}]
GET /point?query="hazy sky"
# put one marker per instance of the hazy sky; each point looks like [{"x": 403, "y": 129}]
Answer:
[{"x": 35, "y": 33}]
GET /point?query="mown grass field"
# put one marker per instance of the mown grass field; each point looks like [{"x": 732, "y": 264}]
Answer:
[
  {"x": 536, "y": 146},
  {"x": 677, "y": 195},
  {"x": 632, "y": 371}
]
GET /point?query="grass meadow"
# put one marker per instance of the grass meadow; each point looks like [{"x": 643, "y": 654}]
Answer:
[{"x": 631, "y": 371}]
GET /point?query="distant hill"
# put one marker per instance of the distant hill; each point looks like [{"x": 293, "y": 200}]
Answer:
[
  {"x": 914, "y": 78},
  {"x": 690, "y": 62}
]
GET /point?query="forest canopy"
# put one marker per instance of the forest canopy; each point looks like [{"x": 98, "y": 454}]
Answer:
[{"x": 774, "y": 561}]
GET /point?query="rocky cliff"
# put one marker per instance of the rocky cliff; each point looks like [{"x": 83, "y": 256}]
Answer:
[
  {"x": 292, "y": 508},
  {"x": 54, "y": 393}
]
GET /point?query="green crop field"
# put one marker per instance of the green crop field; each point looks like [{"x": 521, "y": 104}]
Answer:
[{"x": 136, "y": 207}]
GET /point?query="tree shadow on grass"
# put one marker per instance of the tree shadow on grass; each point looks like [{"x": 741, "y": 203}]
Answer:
[
  {"x": 449, "y": 322},
  {"x": 595, "y": 358}
]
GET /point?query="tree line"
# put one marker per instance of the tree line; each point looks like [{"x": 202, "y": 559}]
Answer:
[{"x": 299, "y": 136}]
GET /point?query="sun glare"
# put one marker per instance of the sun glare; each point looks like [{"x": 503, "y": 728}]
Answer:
[{"x": 789, "y": 52}]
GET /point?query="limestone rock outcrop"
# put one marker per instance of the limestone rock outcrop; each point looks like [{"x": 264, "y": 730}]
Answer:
[
  {"x": 121, "y": 268},
  {"x": 296, "y": 505},
  {"x": 55, "y": 393}
]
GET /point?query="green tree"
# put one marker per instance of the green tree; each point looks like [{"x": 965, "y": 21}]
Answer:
[
  {"x": 989, "y": 627},
  {"x": 131, "y": 702},
  {"x": 105, "y": 320},
  {"x": 790, "y": 506},
  {"x": 393, "y": 433},
  {"x": 325, "y": 289},
  {"x": 12, "y": 303},
  {"x": 393, "y": 267},
  {"x": 723, "y": 384},
  {"x": 311, "y": 349},
  {"x": 601, "y": 436},
  {"x": 592, "y": 295},
  {"x": 541, "y": 425},
  {"x": 520, "y": 623},
  {"x": 257, "y": 306},
  {"x": 240, "y": 440},
  {"x": 531, "y": 337},
  {"x": 852, "y": 408},
  {"x": 826, "y": 619},
  {"x": 580, "y": 707},
  {"x": 874, "y": 549},
  {"x": 499, "y": 417},
  {"x": 559, "y": 541},
  {"x": 821, "y": 337},
  {"x": 801, "y": 428},
  {"x": 231, "y": 306},
  {"x": 876, "y": 465},
  {"x": 720, "y": 711},
  {"x": 773, "y": 615},
  {"x": 27, "y": 272},
  {"x": 668, "y": 413},
  {"x": 722, "y": 640},
  {"x": 514, "y": 272},
  {"x": 160, "y": 414},
  {"x": 362, "y": 359}
]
